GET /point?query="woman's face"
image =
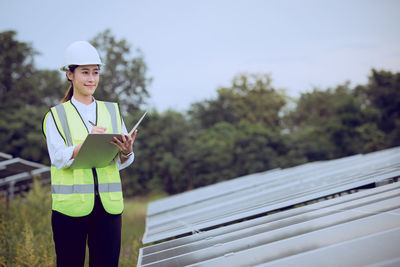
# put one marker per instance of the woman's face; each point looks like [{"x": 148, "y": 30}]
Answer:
[{"x": 85, "y": 79}]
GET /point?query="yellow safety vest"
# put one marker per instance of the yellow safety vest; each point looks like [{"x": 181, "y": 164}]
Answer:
[{"x": 73, "y": 190}]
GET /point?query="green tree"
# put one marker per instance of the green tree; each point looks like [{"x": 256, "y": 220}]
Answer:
[
  {"x": 251, "y": 97},
  {"x": 21, "y": 112},
  {"x": 16, "y": 67},
  {"x": 21, "y": 132},
  {"x": 240, "y": 130},
  {"x": 123, "y": 78},
  {"x": 211, "y": 155},
  {"x": 256, "y": 148},
  {"x": 161, "y": 154},
  {"x": 382, "y": 97},
  {"x": 255, "y": 100},
  {"x": 309, "y": 143},
  {"x": 332, "y": 123},
  {"x": 50, "y": 86}
]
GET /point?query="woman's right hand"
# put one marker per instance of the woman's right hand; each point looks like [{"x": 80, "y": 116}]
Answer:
[
  {"x": 98, "y": 130},
  {"x": 76, "y": 150}
]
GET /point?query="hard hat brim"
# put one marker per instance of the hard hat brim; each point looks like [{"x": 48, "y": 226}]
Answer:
[{"x": 66, "y": 68}]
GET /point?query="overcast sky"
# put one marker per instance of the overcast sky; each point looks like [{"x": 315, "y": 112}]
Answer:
[{"x": 193, "y": 47}]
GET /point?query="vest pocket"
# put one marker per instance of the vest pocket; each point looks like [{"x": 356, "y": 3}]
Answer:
[
  {"x": 59, "y": 197},
  {"x": 115, "y": 195}
]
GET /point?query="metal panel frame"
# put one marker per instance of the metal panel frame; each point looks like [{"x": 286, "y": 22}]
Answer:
[{"x": 17, "y": 172}]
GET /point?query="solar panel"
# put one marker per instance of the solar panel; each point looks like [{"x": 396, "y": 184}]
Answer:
[
  {"x": 383, "y": 191},
  {"x": 314, "y": 228},
  {"x": 257, "y": 194},
  {"x": 16, "y": 174}
]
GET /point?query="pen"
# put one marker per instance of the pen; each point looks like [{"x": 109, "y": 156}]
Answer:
[{"x": 92, "y": 123}]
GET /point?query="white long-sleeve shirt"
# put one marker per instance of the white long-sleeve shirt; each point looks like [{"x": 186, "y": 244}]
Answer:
[{"x": 60, "y": 154}]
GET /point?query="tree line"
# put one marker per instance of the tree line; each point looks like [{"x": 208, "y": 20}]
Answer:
[{"x": 250, "y": 126}]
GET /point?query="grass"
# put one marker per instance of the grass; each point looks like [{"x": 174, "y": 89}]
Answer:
[
  {"x": 26, "y": 235},
  {"x": 133, "y": 225}
]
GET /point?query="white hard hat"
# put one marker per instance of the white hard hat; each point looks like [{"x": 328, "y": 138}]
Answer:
[{"x": 80, "y": 53}]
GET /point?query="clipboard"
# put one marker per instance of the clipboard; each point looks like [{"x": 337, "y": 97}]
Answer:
[{"x": 97, "y": 150}]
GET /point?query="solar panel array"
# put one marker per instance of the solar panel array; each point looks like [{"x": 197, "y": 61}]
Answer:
[
  {"x": 236, "y": 223},
  {"x": 16, "y": 174}
]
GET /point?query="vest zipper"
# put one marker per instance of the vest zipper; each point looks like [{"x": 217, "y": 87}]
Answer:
[{"x": 96, "y": 182}]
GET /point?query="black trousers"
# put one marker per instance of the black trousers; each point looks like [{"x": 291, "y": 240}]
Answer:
[{"x": 101, "y": 230}]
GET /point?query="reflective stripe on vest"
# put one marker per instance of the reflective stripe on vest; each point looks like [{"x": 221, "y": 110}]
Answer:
[
  {"x": 64, "y": 123},
  {"x": 111, "y": 108},
  {"x": 85, "y": 188}
]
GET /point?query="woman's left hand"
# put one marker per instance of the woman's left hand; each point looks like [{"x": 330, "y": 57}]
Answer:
[{"x": 125, "y": 145}]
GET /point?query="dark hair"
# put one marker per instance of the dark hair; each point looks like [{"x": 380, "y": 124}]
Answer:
[{"x": 70, "y": 92}]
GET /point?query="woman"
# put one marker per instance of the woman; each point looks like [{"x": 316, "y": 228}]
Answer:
[{"x": 86, "y": 203}]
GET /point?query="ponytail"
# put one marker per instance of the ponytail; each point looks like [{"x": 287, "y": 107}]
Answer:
[
  {"x": 70, "y": 91},
  {"x": 68, "y": 94}
]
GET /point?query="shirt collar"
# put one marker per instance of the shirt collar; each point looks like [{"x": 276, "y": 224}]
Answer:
[{"x": 81, "y": 106}]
